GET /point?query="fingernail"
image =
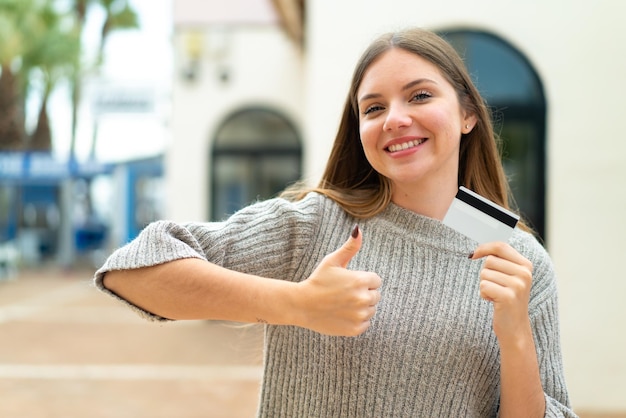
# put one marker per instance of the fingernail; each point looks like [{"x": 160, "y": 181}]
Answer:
[
  {"x": 471, "y": 255},
  {"x": 355, "y": 231}
]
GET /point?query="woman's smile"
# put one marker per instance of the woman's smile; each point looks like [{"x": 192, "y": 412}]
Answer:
[{"x": 405, "y": 145}]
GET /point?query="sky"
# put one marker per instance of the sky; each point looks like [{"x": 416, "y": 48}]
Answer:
[{"x": 138, "y": 65}]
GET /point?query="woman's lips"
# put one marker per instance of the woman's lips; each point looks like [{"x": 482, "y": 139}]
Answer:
[{"x": 405, "y": 145}]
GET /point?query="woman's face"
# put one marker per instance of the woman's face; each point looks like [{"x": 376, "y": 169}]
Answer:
[{"x": 411, "y": 122}]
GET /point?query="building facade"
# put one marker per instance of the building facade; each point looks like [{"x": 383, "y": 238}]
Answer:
[{"x": 565, "y": 82}]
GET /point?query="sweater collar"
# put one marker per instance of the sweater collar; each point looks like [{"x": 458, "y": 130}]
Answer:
[{"x": 425, "y": 230}]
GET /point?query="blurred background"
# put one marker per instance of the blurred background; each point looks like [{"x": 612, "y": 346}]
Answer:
[{"x": 115, "y": 113}]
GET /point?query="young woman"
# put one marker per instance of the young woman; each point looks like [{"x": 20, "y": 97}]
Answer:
[{"x": 399, "y": 316}]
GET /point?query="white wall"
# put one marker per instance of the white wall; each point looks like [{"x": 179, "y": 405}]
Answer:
[
  {"x": 265, "y": 69},
  {"x": 579, "y": 53}
]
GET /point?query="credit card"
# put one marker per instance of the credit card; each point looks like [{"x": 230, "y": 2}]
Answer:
[{"x": 479, "y": 218}]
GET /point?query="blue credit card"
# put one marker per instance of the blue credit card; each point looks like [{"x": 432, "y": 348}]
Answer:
[{"x": 479, "y": 218}]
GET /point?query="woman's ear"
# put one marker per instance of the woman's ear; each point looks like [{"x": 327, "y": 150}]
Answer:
[{"x": 469, "y": 121}]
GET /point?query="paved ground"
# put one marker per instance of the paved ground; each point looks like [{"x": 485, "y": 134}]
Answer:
[{"x": 68, "y": 351}]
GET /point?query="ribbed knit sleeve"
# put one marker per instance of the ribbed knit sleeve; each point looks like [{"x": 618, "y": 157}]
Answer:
[
  {"x": 544, "y": 316},
  {"x": 267, "y": 239}
]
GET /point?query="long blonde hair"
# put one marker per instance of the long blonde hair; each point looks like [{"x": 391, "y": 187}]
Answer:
[{"x": 350, "y": 180}]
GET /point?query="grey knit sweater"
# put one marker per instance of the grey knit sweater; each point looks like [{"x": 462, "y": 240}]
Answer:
[{"x": 430, "y": 351}]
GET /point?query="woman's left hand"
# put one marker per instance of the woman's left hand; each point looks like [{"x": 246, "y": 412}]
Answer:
[{"x": 505, "y": 280}]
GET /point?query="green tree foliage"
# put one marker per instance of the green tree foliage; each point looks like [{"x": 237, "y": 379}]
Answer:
[
  {"x": 118, "y": 16},
  {"x": 39, "y": 47},
  {"x": 15, "y": 25},
  {"x": 52, "y": 55}
]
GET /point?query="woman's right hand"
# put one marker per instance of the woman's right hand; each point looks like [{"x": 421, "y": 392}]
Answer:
[{"x": 335, "y": 300}]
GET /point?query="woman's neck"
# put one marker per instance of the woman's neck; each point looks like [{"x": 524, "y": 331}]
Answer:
[{"x": 430, "y": 199}]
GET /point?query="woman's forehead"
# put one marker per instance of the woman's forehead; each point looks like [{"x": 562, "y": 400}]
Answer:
[{"x": 400, "y": 66}]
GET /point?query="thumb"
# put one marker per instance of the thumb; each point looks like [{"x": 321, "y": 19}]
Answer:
[{"x": 342, "y": 256}]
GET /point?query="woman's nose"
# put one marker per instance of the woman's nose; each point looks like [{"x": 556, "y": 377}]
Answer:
[{"x": 397, "y": 117}]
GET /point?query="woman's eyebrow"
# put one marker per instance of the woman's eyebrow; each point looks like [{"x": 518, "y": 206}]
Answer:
[
  {"x": 407, "y": 86},
  {"x": 419, "y": 81}
]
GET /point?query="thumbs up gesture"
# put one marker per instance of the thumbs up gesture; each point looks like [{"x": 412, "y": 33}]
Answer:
[{"x": 338, "y": 301}]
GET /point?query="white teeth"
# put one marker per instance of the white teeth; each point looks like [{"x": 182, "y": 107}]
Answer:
[{"x": 405, "y": 145}]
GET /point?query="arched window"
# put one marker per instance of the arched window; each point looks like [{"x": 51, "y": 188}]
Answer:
[
  {"x": 514, "y": 92},
  {"x": 256, "y": 153}
]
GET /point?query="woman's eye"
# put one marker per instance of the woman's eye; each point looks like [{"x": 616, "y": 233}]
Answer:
[
  {"x": 373, "y": 108},
  {"x": 421, "y": 96}
]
